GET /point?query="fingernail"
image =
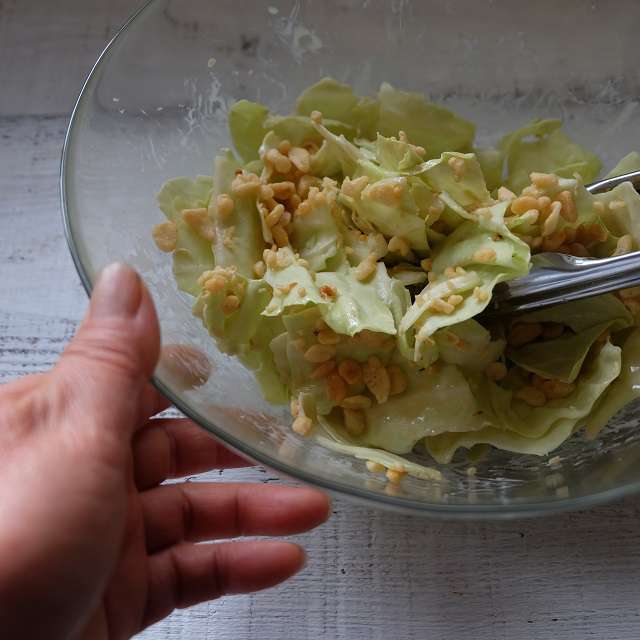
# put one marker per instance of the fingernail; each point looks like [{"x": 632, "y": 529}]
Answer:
[{"x": 117, "y": 293}]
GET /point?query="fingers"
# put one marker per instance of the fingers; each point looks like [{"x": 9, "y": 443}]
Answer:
[
  {"x": 204, "y": 511},
  {"x": 173, "y": 448},
  {"x": 188, "y": 574},
  {"x": 104, "y": 370}
]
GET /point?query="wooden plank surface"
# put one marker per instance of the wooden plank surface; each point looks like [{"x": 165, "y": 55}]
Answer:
[{"x": 370, "y": 574}]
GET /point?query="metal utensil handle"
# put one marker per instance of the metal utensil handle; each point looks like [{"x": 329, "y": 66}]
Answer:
[
  {"x": 582, "y": 273},
  {"x": 522, "y": 305},
  {"x": 609, "y": 183},
  {"x": 561, "y": 278}
]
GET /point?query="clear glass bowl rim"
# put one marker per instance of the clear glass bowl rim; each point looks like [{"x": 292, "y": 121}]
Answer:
[{"x": 397, "y": 503}]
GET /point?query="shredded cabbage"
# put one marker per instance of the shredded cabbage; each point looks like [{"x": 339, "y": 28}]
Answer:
[
  {"x": 541, "y": 146},
  {"x": 346, "y": 255},
  {"x": 193, "y": 254}
]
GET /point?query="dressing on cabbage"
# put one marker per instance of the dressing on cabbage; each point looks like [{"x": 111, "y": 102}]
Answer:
[{"x": 345, "y": 254}]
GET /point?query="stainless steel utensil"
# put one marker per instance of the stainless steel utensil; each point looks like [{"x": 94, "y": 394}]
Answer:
[{"x": 558, "y": 278}]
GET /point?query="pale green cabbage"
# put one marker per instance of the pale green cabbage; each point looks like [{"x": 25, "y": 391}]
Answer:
[
  {"x": 424, "y": 183},
  {"x": 247, "y": 127},
  {"x": 631, "y": 162},
  {"x": 562, "y": 358},
  {"x": 338, "y": 102},
  {"x": 624, "y": 389},
  {"x": 471, "y": 189},
  {"x": 359, "y": 305},
  {"x": 398, "y": 219},
  {"x": 625, "y": 220},
  {"x": 193, "y": 255},
  {"x": 522, "y": 429},
  {"x": 430, "y": 406},
  {"x": 542, "y": 146},
  {"x": 278, "y": 277},
  {"x": 242, "y": 248},
  {"x": 317, "y": 237},
  {"x": 486, "y": 233},
  {"x": 426, "y": 124}
]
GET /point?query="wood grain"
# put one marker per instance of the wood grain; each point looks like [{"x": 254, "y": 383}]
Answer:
[
  {"x": 47, "y": 49},
  {"x": 374, "y": 575},
  {"x": 370, "y": 574}
]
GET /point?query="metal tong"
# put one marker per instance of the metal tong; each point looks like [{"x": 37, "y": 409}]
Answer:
[{"x": 558, "y": 278}]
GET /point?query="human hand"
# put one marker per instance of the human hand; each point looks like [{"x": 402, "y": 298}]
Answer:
[{"x": 90, "y": 545}]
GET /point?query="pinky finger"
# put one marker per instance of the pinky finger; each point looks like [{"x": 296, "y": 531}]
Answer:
[{"x": 187, "y": 574}]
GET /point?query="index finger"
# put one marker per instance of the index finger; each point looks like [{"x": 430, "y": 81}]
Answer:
[{"x": 176, "y": 447}]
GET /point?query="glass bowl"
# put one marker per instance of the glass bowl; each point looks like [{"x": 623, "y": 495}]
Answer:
[{"x": 155, "y": 107}]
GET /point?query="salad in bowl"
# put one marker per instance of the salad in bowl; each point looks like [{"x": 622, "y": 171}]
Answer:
[{"x": 345, "y": 254}]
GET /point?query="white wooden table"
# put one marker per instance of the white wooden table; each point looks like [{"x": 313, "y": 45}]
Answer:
[{"x": 370, "y": 574}]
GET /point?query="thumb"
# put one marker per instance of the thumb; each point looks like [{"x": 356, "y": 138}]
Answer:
[{"x": 103, "y": 371}]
